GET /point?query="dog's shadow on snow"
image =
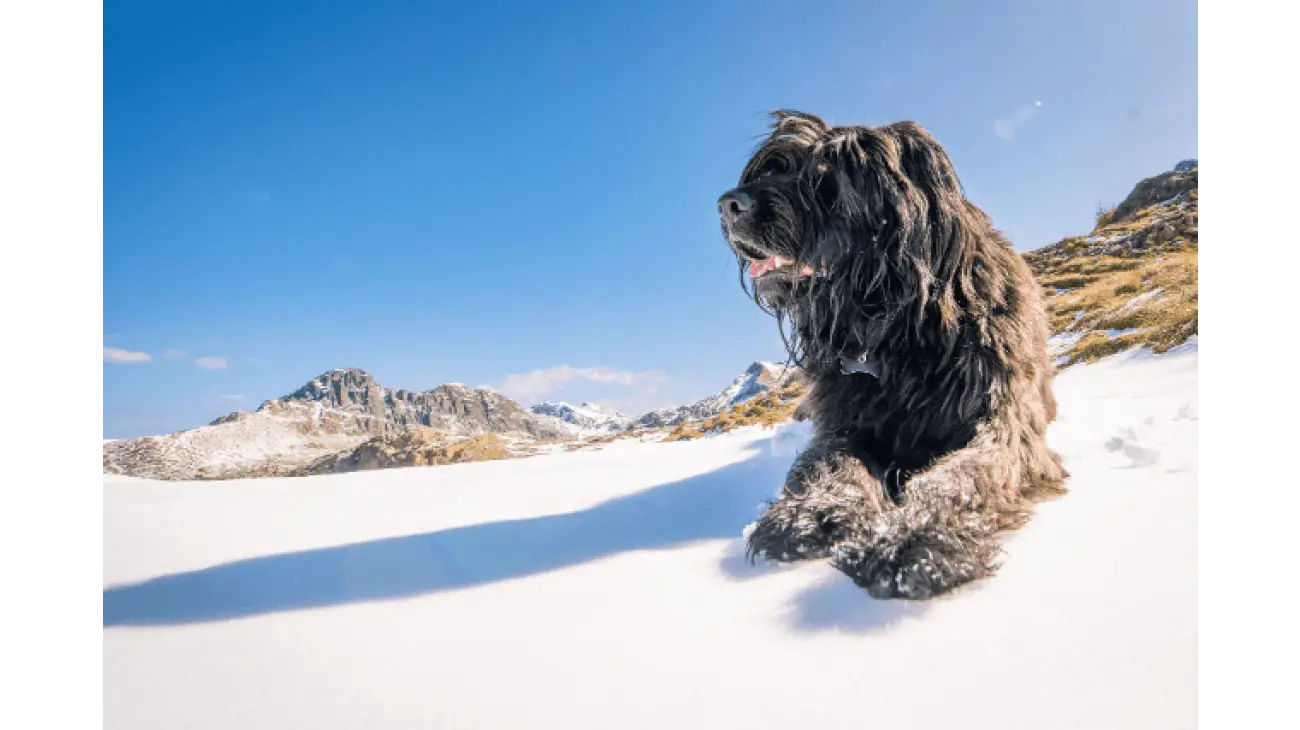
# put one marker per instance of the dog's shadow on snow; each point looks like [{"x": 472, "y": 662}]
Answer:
[
  {"x": 833, "y": 603},
  {"x": 716, "y": 505}
]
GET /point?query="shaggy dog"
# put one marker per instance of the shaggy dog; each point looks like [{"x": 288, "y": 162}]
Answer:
[{"x": 923, "y": 336}]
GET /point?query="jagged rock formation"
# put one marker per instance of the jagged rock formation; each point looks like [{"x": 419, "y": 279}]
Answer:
[{"x": 452, "y": 408}]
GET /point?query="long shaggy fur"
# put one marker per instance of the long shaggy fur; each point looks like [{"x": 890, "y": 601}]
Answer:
[{"x": 914, "y": 470}]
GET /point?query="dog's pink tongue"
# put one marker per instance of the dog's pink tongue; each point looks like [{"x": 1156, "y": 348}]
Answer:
[{"x": 758, "y": 268}]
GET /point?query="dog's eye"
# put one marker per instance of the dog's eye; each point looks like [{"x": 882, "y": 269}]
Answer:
[
  {"x": 822, "y": 167},
  {"x": 773, "y": 167}
]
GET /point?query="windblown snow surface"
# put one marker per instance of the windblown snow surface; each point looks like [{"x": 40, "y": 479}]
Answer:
[{"x": 606, "y": 589}]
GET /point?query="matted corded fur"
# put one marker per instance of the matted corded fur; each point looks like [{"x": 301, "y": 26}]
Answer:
[{"x": 912, "y": 472}]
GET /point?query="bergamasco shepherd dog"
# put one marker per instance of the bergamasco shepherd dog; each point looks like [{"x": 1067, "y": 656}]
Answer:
[{"x": 923, "y": 338}]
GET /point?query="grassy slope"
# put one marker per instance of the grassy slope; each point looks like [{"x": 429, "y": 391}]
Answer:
[{"x": 1133, "y": 281}]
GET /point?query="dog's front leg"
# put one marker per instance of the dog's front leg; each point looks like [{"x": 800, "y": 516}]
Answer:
[
  {"x": 827, "y": 490},
  {"x": 944, "y": 533}
]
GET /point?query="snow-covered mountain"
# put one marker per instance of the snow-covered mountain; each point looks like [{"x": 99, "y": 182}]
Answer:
[
  {"x": 335, "y": 412},
  {"x": 608, "y": 589},
  {"x": 758, "y": 378},
  {"x": 586, "y": 419},
  {"x": 591, "y": 419}
]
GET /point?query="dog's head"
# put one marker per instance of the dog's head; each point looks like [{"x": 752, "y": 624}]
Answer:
[{"x": 846, "y": 222}]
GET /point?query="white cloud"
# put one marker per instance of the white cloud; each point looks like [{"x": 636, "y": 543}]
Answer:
[
  {"x": 253, "y": 360},
  {"x": 173, "y": 354},
  {"x": 232, "y": 396},
  {"x": 117, "y": 354},
  {"x": 211, "y": 363},
  {"x": 1006, "y": 127},
  {"x": 537, "y": 383}
]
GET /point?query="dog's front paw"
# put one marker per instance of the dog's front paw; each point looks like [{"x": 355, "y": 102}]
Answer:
[
  {"x": 788, "y": 531},
  {"x": 914, "y": 572}
]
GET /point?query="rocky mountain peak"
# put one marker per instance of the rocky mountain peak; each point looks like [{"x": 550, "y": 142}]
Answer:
[{"x": 344, "y": 388}]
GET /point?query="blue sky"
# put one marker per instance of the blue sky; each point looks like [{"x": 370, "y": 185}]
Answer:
[{"x": 522, "y": 194}]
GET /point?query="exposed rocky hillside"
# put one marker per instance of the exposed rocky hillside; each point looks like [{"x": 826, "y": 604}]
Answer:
[
  {"x": 252, "y": 445},
  {"x": 1132, "y": 282},
  {"x": 415, "y": 447}
]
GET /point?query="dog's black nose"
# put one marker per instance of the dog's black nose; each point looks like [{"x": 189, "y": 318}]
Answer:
[{"x": 733, "y": 205}]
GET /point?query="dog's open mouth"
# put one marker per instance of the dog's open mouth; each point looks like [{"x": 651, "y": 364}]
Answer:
[{"x": 759, "y": 269}]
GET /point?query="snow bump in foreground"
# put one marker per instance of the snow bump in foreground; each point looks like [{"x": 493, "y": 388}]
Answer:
[{"x": 607, "y": 589}]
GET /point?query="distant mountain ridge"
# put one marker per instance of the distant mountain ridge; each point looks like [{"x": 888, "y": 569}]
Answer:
[
  {"x": 759, "y": 378},
  {"x": 581, "y": 420},
  {"x": 344, "y": 420},
  {"x": 452, "y": 408}
]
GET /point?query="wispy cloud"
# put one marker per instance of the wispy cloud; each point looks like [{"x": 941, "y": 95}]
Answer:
[
  {"x": 1006, "y": 127},
  {"x": 231, "y": 396},
  {"x": 174, "y": 354},
  {"x": 253, "y": 360},
  {"x": 211, "y": 363},
  {"x": 117, "y": 354},
  {"x": 536, "y": 383}
]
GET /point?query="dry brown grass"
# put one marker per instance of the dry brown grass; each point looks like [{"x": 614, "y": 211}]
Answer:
[
  {"x": 1104, "y": 215},
  {"x": 489, "y": 447},
  {"x": 1156, "y": 299},
  {"x": 1131, "y": 284}
]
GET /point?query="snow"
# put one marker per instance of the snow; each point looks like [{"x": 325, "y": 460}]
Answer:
[
  {"x": 606, "y": 589},
  {"x": 1144, "y": 296},
  {"x": 1059, "y": 343}
]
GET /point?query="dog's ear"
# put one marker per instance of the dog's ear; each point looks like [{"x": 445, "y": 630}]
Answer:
[
  {"x": 875, "y": 189},
  {"x": 923, "y": 160},
  {"x": 944, "y": 248}
]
